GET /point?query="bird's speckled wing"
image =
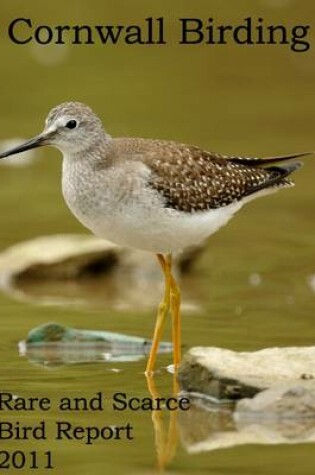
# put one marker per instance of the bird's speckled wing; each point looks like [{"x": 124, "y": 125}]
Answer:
[{"x": 191, "y": 179}]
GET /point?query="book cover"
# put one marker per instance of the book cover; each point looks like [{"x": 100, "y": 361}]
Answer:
[{"x": 212, "y": 83}]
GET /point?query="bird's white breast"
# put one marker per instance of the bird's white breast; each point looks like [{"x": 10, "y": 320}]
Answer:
[{"x": 117, "y": 204}]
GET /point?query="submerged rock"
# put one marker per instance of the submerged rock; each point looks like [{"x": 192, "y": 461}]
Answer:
[
  {"x": 230, "y": 375},
  {"x": 211, "y": 426},
  {"x": 59, "y": 257},
  {"x": 284, "y": 401},
  {"x": 52, "y": 344},
  {"x": 63, "y": 269},
  {"x": 237, "y": 398}
]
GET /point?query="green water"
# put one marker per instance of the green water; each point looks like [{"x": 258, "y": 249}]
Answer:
[{"x": 246, "y": 100}]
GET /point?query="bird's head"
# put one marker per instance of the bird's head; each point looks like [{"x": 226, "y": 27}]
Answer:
[{"x": 71, "y": 127}]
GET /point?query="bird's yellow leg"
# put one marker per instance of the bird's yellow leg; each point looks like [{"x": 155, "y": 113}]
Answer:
[
  {"x": 162, "y": 313},
  {"x": 176, "y": 317}
]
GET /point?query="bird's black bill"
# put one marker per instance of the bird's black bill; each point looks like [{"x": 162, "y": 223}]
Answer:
[{"x": 32, "y": 143}]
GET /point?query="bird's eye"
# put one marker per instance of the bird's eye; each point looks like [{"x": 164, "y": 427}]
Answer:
[{"x": 71, "y": 124}]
